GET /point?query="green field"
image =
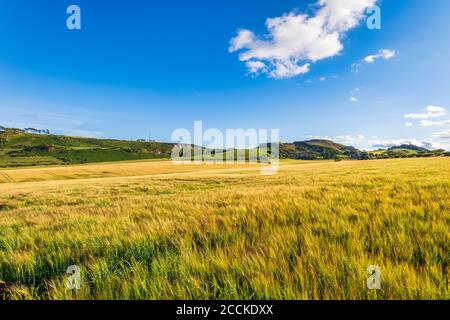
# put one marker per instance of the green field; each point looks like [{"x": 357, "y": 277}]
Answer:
[
  {"x": 19, "y": 149},
  {"x": 154, "y": 230}
]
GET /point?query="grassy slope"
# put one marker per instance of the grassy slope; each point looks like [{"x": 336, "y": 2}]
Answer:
[
  {"x": 325, "y": 144},
  {"x": 24, "y": 149},
  {"x": 308, "y": 232},
  {"x": 318, "y": 149}
]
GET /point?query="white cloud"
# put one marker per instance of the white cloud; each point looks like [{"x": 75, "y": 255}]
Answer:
[
  {"x": 243, "y": 39},
  {"x": 386, "y": 54},
  {"x": 442, "y": 135},
  {"x": 353, "y": 99},
  {"x": 428, "y": 112},
  {"x": 349, "y": 139},
  {"x": 323, "y": 79},
  {"x": 382, "y": 54},
  {"x": 432, "y": 145},
  {"x": 428, "y": 123},
  {"x": 409, "y": 124},
  {"x": 256, "y": 67},
  {"x": 287, "y": 69},
  {"x": 296, "y": 40}
]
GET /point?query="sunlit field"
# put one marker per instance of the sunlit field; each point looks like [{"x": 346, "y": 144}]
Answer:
[{"x": 153, "y": 230}]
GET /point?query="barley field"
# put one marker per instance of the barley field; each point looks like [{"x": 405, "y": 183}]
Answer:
[{"x": 153, "y": 230}]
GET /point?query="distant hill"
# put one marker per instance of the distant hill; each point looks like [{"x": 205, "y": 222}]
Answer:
[
  {"x": 406, "y": 151},
  {"x": 319, "y": 149},
  {"x": 30, "y": 147},
  {"x": 409, "y": 147},
  {"x": 20, "y": 148}
]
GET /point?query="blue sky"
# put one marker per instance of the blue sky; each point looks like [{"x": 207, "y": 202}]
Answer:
[{"x": 145, "y": 68}]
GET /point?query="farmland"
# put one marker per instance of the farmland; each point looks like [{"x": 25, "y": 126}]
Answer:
[
  {"x": 21, "y": 149},
  {"x": 154, "y": 230}
]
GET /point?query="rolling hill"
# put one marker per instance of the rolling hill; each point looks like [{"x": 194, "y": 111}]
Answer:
[
  {"x": 19, "y": 148},
  {"x": 409, "y": 147},
  {"x": 32, "y": 147},
  {"x": 325, "y": 149},
  {"x": 406, "y": 151}
]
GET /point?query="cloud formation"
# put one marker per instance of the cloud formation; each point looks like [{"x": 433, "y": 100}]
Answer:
[
  {"x": 385, "y": 54},
  {"x": 428, "y": 112},
  {"x": 295, "y": 40},
  {"x": 382, "y": 54},
  {"x": 428, "y": 123},
  {"x": 349, "y": 139},
  {"x": 442, "y": 135}
]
